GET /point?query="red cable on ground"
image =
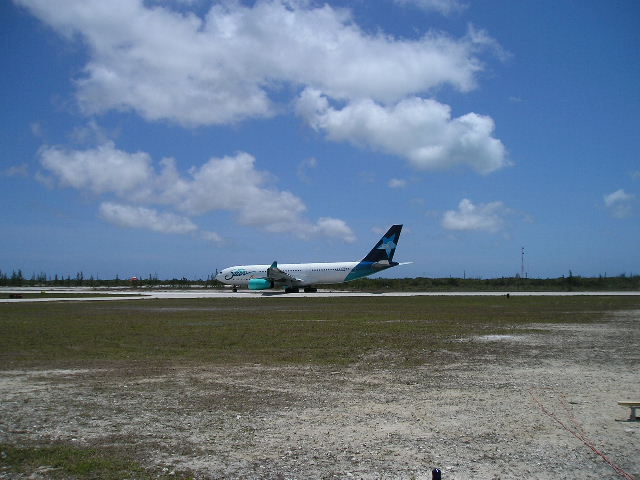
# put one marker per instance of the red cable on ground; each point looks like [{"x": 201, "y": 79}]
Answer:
[{"x": 579, "y": 433}]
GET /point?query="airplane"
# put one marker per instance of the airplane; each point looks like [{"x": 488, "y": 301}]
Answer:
[{"x": 293, "y": 276}]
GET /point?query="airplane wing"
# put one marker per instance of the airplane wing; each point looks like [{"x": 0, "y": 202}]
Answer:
[{"x": 277, "y": 275}]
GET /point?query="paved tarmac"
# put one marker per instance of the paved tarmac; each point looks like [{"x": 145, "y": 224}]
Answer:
[{"x": 127, "y": 294}]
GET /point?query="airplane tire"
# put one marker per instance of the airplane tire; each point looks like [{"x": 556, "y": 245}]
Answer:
[
  {"x": 310, "y": 290},
  {"x": 291, "y": 290}
]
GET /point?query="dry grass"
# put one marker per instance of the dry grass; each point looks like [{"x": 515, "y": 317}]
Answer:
[
  {"x": 321, "y": 331},
  {"x": 168, "y": 389}
]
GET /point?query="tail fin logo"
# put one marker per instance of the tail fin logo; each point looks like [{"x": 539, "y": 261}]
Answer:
[
  {"x": 384, "y": 249},
  {"x": 388, "y": 245}
]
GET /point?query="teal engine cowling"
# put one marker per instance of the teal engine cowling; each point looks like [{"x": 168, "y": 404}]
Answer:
[{"x": 260, "y": 283}]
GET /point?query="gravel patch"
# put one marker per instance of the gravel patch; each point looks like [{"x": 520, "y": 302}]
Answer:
[{"x": 490, "y": 417}]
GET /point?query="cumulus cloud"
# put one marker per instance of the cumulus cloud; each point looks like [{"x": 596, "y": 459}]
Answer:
[
  {"x": 487, "y": 217},
  {"x": 421, "y": 130},
  {"x": 225, "y": 66},
  {"x": 100, "y": 170},
  {"x": 36, "y": 129},
  {"x": 20, "y": 170},
  {"x": 333, "y": 227},
  {"x": 147, "y": 218},
  {"x": 90, "y": 134},
  {"x": 397, "y": 183},
  {"x": 212, "y": 237},
  {"x": 238, "y": 61},
  {"x": 304, "y": 167},
  {"x": 619, "y": 204},
  {"x": 231, "y": 183},
  {"x": 444, "y": 7}
]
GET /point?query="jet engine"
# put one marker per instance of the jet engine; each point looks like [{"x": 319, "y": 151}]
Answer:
[{"x": 260, "y": 283}]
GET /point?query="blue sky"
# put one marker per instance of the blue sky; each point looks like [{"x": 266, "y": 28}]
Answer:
[{"x": 177, "y": 137}]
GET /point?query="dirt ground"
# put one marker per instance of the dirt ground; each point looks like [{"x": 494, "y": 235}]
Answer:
[{"x": 480, "y": 419}]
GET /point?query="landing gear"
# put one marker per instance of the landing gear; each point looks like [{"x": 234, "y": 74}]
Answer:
[
  {"x": 235, "y": 289},
  {"x": 310, "y": 290},
  {"x": 291, "y": 290}
]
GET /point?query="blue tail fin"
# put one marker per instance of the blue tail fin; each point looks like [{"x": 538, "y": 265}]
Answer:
[{"x": 386, "y": 246}]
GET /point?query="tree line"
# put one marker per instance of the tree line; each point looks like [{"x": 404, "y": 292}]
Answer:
[
  {"x": 571, "y": 282},
  {"x": 622, "y": 282},
  {"x": 18, "y": 279}
]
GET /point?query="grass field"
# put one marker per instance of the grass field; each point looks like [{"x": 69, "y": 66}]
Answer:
[
  {"x": 62, "y": 461},
  {"x": 340, "y": 331},
  {"x": 131, "y": 341},
  {"x": 65, "y": 295}
]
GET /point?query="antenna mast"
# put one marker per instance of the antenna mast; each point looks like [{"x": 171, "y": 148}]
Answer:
[{"x": 522, "y": 263}]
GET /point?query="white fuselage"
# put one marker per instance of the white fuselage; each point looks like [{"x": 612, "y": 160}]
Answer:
[{"x": 304, "y": 273}]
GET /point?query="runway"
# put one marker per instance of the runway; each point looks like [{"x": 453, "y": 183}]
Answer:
[{"x": 66, "y": 294}]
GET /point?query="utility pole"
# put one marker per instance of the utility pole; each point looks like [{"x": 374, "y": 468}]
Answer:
[{"x": 522, "y": 264}]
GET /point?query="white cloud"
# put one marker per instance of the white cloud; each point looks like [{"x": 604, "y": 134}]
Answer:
[
  {"x": 20, "y": 170},
  {"x": 100, "y": 170},
  {"x": 619, "y": 203},
  {"x": 421, "y": 130},
  {"x": 212, "y": 237},
  {"x": 234, "y": 184},
  {"x": 238, "y": 61},
  {"x": 90, "y": 134},
  {"x": 444, "y": 7},
  {"x": 334, "y": 228},
  {"x": 397, "y": 183},
  {"x": 304, "y": 167},
  {"x": 483, "y": 217},
  {"x": 230, "y": 183},
  {"x": 224, "y": 66},
  {"x": 140, "y": 217},
  {"x": 36, "y": 129}
]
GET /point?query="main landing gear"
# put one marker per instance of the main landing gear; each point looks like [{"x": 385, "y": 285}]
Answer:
[{"x": 297, "y": 290}]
